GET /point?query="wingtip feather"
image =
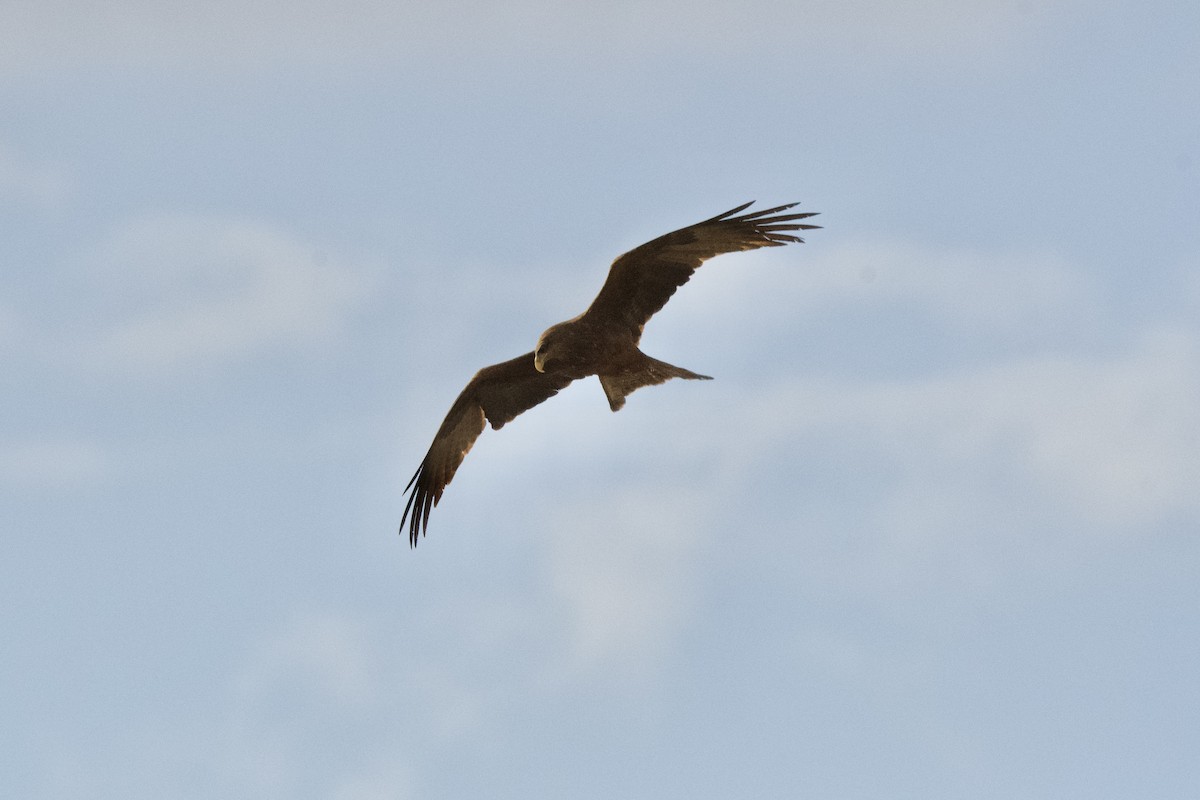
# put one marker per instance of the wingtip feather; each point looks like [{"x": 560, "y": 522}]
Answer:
[
  {"x": 764, "y": 212},
  {"x": 731, "y": 212}
]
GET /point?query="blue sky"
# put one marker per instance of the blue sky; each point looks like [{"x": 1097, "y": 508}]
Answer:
[{"x": 931, "y": 532}]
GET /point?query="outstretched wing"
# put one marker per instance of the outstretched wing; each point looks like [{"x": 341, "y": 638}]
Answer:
[
  {"x": 641, "y": 281},
  {"x": 498, "y": 394}
]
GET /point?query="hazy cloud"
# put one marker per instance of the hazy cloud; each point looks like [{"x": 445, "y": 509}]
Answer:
[
  {"x": 969, "y": 292},
  {"x": 9, "y": 328},
  {"x": 51, "y": 463},
  {"x": 189, "y": 291},
  {"x": 318, "y": 669},
  {"x": 622, "y": 566},
  {"x": 1113, "y": 438},
  {"x": 1051, "y": 448},
  {"x": 382, "y": 781},
  {"x": 322, "y": 655},
  {"x": 227, "y": 35},
  {"x": 32, "y": 183}
]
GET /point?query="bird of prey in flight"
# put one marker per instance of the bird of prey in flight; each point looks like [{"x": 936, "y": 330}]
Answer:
[{"x": 602, "y": 341}]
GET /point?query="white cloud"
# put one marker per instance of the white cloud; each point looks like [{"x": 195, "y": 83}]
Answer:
[{"x": 206, "y": 291}]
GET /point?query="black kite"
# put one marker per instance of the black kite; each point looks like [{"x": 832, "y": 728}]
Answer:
[{"x": 602, "y": 341}]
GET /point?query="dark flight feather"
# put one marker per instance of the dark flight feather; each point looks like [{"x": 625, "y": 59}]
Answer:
[
  {"x": 498, "y": 394},
  {"x": 641, "y": 282}
]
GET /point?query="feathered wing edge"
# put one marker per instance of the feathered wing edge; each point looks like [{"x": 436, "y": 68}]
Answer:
[
  {"x": 770, "y": 229},
  {"x": 453, "y": 441},
  {"x": 496, "y": 394},
  {"x": 640, "y": 282}
]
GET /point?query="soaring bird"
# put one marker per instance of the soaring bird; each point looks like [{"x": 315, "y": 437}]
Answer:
[{"x": 602, "y": 341}]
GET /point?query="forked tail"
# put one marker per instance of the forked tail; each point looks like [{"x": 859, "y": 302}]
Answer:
[{"x": 646, "y": 372}]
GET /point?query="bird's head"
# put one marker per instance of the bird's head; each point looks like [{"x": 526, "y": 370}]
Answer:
[{"x": 547, "y": 348}]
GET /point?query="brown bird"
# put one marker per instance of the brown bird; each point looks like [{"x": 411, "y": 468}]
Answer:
[{"x": 602, "y": 341}]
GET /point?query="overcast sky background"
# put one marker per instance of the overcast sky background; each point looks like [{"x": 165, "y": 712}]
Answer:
[{"x": 931, "y": 532}]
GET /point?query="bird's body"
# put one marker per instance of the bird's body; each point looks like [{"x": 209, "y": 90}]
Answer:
[
  {"x": 582, "y": 346},
  {"x": 602, "y": 341}
]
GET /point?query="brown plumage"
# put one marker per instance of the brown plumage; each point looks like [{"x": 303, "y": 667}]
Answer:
[{"x": 601, "y": 341}]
